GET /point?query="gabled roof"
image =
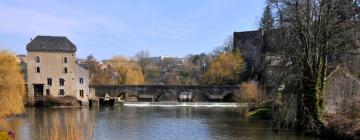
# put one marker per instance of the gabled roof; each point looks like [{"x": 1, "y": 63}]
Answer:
[
  {"x": 51, "y": 43},
  {"x": 347, "y": 73}
]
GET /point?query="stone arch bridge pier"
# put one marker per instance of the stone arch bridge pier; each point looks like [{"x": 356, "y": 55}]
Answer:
[{"x": 156, "y": 93}]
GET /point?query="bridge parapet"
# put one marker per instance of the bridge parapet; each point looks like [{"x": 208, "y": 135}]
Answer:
[{"x": 153, "y": 92}]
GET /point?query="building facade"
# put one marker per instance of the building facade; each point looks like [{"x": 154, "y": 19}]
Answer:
[
  {"x": 342, "y": 92},
  {"x": 52, "y": 69}
]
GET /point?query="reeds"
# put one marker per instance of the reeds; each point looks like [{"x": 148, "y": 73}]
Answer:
[{"x": 67, "y": 128}]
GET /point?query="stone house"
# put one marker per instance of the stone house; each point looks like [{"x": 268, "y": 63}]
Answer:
[
  {"x": 342, "y": 92},
  {"x": 52, "y": 69}
]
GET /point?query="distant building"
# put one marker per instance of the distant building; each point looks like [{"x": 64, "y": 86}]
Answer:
[
  {"x": 250, "y": 44},
  {"x": 342, "y": 92},
  {"x": 171, "y": 61},
  {"x": 52, "y": 69},
  {"x": 21, "y": 58}
]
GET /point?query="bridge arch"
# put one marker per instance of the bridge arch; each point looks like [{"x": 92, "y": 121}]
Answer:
[
  {"x": 228, "y": 96},
  {"x": 165, "y": 95},
  {"x": 200, "y": 96},
  {"x": 157, "y": 92}
]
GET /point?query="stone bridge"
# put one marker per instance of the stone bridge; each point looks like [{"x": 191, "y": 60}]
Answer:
[{"x": 166, "y": 92}]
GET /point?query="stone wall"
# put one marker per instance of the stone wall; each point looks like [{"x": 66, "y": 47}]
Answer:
[
  {"x": 84, "y": 86},
  {"x": 51, "y": 66},
  {"x": 342, "y": 92}
]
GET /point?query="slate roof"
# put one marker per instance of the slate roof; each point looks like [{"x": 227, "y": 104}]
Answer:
[{"x": 51, "y": 43}]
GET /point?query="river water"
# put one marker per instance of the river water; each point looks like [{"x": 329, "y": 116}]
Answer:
[{"x": 150, "y": 123}]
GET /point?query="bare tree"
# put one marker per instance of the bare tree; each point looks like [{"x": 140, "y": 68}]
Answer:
[
  {"x": 306, "y": 33},
  {"x": 142, "y": 58}
]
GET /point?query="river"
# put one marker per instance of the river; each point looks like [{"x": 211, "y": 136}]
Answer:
[{"x": 151, "y": 123}]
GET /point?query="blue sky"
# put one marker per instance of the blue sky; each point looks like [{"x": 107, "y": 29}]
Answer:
[{"x": 124, "y": 27}]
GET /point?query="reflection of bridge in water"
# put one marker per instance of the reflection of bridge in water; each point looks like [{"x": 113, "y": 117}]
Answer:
[{"x": 156, "y": 93}]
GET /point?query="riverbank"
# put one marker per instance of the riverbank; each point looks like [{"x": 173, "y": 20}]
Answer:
[
  {"x": 261, "y": 113},
  {"x": 66, "y": 101},
  {"x": 341, "y": 127}
]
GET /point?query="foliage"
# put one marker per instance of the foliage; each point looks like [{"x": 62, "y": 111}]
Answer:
[
  {"x": 126, "y": 71},
  {"x": 259, "y": 113},
  {"x": 249, "y": 92},
  {"x": 12, "y": 86},
  {"x": 226, "y": 47},
  {"x": 97, "y": 75},
  {"x": 307, "y": 33},
  {"x": 152, "y": 74},
  {"x": 142, "y": 58},
  {"x": 224, "y": 69},
  {"x": 117, "y": 70},
  {"x": 103, "y": 77},
  {"x": 189, "y": 73},
  {"x": 5, "y": 136},
  {"x": 172, "y": 77}
]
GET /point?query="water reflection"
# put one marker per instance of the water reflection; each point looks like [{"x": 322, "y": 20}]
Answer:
[
  {"x": 122, "y": 122},
  {"x": 51, "y": 123}
]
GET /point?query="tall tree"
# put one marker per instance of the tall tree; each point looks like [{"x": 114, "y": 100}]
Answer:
[
  {"x": 225, "y": 69},
  {"x": 142, "y": 57},
  {"x": 309, "y": 31},
  {"x": 126, "y": 71},
  {"x": 12, "y": 86}
]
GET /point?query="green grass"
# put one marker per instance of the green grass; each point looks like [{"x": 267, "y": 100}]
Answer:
[{"x": 259, "y": 113}]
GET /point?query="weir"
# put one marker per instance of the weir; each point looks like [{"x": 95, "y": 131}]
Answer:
[{"x": 184, "y": 104}]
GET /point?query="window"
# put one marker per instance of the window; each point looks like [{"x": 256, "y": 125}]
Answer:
[
  {"x": 81, "y": 93},
  {"x": 37, "y": 69},
  {"x": 37, "y": 59},
  {"x": 65, "y": 70},
  {"x": 62, "y": 92},
  {"x": 47, "y": 91},
  {"x": 62, "y": 82},
  {"x": 65, "y": 60},
  {"x": 81, "y": 80},
  {"x": 49, "y": 81}
]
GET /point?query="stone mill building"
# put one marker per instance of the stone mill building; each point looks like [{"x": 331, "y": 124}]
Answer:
[{"x": 52, "y": 69}]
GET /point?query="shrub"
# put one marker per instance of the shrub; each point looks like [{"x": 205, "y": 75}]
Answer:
[
  {"x": 249, "y": 92},
  {"x": 224, "y": 69}
]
